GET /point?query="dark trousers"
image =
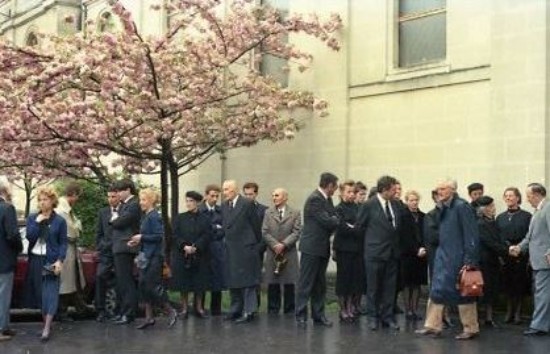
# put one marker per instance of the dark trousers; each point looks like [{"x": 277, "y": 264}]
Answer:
[
  {"x": 274, "y": 298},
  {"x": 243, "y": 301},
  {"x": 104, "y": 278},
  {"x": 312, "y": 284},
  {"x": 381, "y": 289},
  {"x": 215, "y": 303},
  {"x": 126, "y": 284}
]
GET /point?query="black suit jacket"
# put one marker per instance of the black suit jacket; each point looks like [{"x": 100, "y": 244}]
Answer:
[
  {"x": 348, "y": 238},
  {"x": 104, "y": 232},
  {"x": 382, "y": 239},
  {"x": 10, "y": 240},
  {"x": 320, "y": 221},
  {"x": 126, "y": 225}
]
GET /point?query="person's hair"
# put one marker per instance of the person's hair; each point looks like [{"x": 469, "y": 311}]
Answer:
[
  {"x": 348, "y": 182},
  {"x": 5, "y": 191},
  {"x": 327, "y": 179},
  {"x": 123, "y": 184},
  {"x": 151, "y": 194},
  {"x": 474, "y": 187},
  {"x": 360, "y": 186},
  {"x": 50, "y": 193},
  {"x": 537, "y": 188},
  {"x": 434, "y": 195},
  {"x": 412, "y": 192},
  {"x": 212, "y": 187},
  {"x": 385, "y": 183},
  {"x": 72, "y": 189},
  {"x": 252, "y": 185},
  {"x": 516, "y": 192},
  {"x": 196, "y": 196},
  {"x": 112, "y": 188},
  {"x": 372, "y": 192}
]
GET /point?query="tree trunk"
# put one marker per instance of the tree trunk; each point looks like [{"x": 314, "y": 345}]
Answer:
[
  {"x": 164, "y": 206},
  {"x": 28, "y": 196}
]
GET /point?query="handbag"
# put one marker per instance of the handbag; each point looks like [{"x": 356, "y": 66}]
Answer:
[
  {"x": 470, "y": 282},
  {"x": 141, "y": 260}
]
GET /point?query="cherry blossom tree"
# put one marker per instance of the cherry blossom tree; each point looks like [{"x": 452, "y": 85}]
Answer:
[{"x": 157, "y": 104}]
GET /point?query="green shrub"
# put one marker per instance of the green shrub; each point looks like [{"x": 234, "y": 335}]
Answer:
[{"x": 92, "y": 199}]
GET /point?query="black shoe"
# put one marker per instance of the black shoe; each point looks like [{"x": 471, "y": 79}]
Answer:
[
  {"x": 531, "y": 332},
  {"x": 124, "y": 320},
  {"x": 231, "y": 317},
  {"x": 323, "y": 321},
  {"x": 391, "y": 325},
  {"x": 145, "y": 324},
  {"x": 115, "y": 318},
  {"x": 9, "y": 332},
  {"x": 244, "y": 318},
  {"x": 44, "y": 337}
]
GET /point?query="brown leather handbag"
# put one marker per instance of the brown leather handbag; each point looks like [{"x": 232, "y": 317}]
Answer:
[{"x": 470, "y": 282}]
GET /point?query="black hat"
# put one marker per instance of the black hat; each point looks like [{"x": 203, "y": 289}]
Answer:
[
  {"x": 484, "y": 201},
  {"x": 196, "y": 196}
]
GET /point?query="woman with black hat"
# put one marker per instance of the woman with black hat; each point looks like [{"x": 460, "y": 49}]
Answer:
[
  {"x": 493, "y": 249},
  {"x": 190, "y": 262}
]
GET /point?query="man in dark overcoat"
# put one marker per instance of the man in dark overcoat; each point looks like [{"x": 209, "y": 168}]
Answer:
[
  {"x": 458, "y": 248},
  {"x": 243, "y": 236}
]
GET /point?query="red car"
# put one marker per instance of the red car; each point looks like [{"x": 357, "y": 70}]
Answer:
[{"x": 89, "y": 260}]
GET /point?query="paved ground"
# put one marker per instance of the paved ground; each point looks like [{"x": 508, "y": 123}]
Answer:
[{"x": 268, "y": 334}]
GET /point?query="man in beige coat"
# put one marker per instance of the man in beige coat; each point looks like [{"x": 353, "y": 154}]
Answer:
[
  {"x": 72, "y": 276},
  {"x": 281, "y": 230}
]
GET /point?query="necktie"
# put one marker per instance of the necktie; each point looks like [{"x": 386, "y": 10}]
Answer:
[
  {"x": 388, "y": 213},
  {"x": 230, "y": 205},
  {"x": 330, "y": 201},
  {"x": 280, "y": 214}
]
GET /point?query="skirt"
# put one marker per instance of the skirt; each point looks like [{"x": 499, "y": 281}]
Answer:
[
  {"x": 151, "y": 289},
  {"x": 350, "y": 273}
]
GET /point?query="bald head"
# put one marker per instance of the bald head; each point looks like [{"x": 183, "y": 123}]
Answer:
[
  {"x": 229, "y": 189},
  {"x": 279, "y": 197}
]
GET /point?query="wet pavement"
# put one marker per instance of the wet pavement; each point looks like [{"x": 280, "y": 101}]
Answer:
[{"x": 267, "y": 334}]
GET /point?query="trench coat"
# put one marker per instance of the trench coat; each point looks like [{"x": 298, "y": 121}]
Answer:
[
  {"x": 72, "y": 271},
  {"x": 458, "y": 246},
  {"x": 287, "y": 231}
]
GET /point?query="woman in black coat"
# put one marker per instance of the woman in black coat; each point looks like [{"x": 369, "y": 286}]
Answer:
[
  {"x": 513, "y": 225},
  {"x": 492, "y": 249},
  {"x": 348, "y": 249},
  {"x": 414, "y": 267},
  {"x": 190, "y": 261}
]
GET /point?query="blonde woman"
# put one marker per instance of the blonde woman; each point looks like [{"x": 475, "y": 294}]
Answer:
[
  {"x": 151, "y": 258},
  {"x": 47, "y": 235}
]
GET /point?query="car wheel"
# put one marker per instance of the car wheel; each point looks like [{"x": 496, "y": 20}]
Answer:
[{"x": 111, "y": 302}]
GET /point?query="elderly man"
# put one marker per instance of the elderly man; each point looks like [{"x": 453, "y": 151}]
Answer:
[
  {"x": 10, "y": 246},
  {"x": 242, "y": 229},
  {"x": 281, "y": 230},
  {"x": 458, "y": 248},
  {"x": 537, "y": 242}
]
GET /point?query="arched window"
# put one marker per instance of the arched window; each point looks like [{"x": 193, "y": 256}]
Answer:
[
  {"x": 105, "y": 22},
  {"x": 32, "y": 40}
]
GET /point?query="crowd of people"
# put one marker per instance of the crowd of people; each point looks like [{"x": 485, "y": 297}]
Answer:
[{"x": 385, "y": 248}]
